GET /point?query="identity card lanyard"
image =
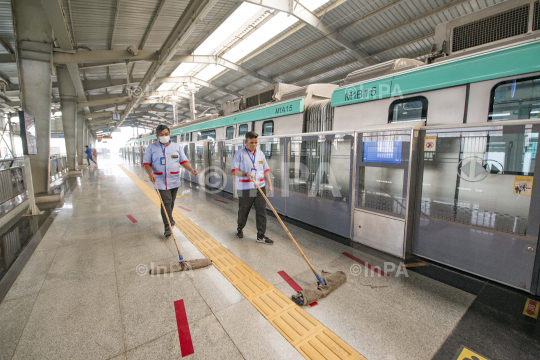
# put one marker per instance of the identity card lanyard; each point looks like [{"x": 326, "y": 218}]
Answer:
[
  {"x": 163, "y": 158},
  {"x": 253, "y": 161}
]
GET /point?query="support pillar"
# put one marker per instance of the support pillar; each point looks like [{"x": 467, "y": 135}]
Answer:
[
  {"x": 192, "y": 106},
  {"x": 80, "y": 142},
  {"x": 34, "y": 65},
  {"x": 68, "y": 100},
  {"x": 175, "y": 113},
  {"x": 11, "y": 137}
]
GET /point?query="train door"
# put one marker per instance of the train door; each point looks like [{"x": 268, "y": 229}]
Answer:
[
  {"x": 478, "y": 210},
  {"x": 384, "y": 173}
]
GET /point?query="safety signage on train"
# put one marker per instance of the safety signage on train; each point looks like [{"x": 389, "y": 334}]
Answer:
[
  {"x": 531, "y": 308},
  {"x": 430, "y": 143},
  {"x": 523, "y": 185}
]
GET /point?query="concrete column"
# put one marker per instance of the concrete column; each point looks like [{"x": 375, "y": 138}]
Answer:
[
  {"x": 192, "y": 107},
  {"x": 80, "y": 140},
  {"x": 34, "y": 64},
  {"x": 11, "y": 137},
  {"x": 175, "y": 113},
  {"x": 68, "y": 100},
  {"x": 85, "y": 135}
]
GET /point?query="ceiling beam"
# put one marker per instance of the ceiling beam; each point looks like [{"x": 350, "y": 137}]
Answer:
[
  {"x": 290, "y": 32},
  {"x": 57, "y": 19},
  {"x": 107, "y": 101},
  {"x": 411, "y": 21},
  {"x": 371, "y": 14},
  {"x": 103, "y": 56},
  {"x": 303, "y": 14},
  {"x": 195, "y": 11},
  {"x": 408, "y": 42},
  {"x": 295, "y": 81},
  {"x": 309, "y": 63},
  {"x": 194, "y": 80}
]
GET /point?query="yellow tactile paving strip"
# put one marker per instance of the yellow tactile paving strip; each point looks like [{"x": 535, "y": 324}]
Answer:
[{"x": 311, "y": 338}]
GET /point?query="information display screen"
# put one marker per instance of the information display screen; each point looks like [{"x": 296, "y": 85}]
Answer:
[
  {"x": 28, "y": 133},
  {"x": 382, "y": 151}
]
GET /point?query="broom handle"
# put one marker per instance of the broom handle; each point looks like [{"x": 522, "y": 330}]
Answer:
[
  {"x": 286, "y": 230},
  {"x": 168, "y": 221}
]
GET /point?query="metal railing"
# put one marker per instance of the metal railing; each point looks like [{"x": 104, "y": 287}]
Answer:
[
  {"x": 58, "y": 166},
  {"x": 12, "y": 181}
]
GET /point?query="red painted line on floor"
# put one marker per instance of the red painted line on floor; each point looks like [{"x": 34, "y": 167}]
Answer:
[
  {"x": 293, "y": 284},
  {"x": 120, "y": 193},
  {"x": 221, "y": 201},
  {"x": 146, "y": 180},
  {"x": 372, "y": 268},
  {"x": 186, "y": 346},
  {"x": 131, "y": 218},
  {"x": 183, "y": 208}
]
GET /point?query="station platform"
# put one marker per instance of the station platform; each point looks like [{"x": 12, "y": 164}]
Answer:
[{"x": 86, "y": 293}]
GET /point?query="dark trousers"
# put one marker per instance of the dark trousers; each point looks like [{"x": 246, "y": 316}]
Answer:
[
  {"x": 246, "y": 199},
  {"x": 88, "y": 158},
  {"x": 168, "y": 197}
]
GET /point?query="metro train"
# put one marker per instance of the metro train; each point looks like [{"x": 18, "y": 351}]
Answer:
[{"x": 434, "y": 159}]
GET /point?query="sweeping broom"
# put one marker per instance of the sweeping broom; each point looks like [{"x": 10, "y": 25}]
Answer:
[
  {"x": 182, "y": 264},
  {"x": 325, "y": 284}
]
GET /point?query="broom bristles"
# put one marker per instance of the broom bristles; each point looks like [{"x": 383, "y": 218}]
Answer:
[{"x": 184, "y": 265}]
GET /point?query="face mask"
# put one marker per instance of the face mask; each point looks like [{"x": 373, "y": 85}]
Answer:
[{"x": 164, "y": 139}]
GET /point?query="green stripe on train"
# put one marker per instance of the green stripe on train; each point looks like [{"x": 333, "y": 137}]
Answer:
[
  {"x": 521, "y": 59},
  {"x": 267, "y": 112}
]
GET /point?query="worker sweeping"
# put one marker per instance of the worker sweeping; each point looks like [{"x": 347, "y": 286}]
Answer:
[
  {"x": 162, "y": 161},
  {"x": 249, "y": 164}
]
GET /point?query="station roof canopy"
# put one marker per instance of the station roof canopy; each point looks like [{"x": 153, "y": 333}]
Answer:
[{"x": 221, "y": 48}]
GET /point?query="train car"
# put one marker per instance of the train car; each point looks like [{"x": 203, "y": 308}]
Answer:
[{"x": 431, "y": 159}]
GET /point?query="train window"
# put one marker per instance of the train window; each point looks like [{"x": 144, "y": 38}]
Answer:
[
  {"x": 229, "y": 132},
  {"x": 242, "y": 129},
  {"x": 182, "y": 138},
  {"x": 410, "y": 109},
  {"x": 187, "y": 137},
  {"x": 174, "y": 139},
  {"x": 208, "y": 134},
  {"x": 515, "y": 99},
  {"x": 268, "y": 128}
]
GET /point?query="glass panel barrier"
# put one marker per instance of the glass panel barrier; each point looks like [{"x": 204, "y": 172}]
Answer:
[
  {"x": 215, "y": 179},
  {"x": 476, "y": 205},
  {"x": 319, "y": 180},
  {"x": 274, "y": 151},
  {"x": 228, "y": 154}
]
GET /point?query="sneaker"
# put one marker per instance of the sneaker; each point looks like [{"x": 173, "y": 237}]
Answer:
[
  {"x": 264, "y": 239},
  {"x": 168, "y": 232},
  {"x": 239, "y": 233},
  {"x": 172, "y": 223}
]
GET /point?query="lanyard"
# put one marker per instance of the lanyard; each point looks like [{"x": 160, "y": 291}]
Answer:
[
  {"x": 253, "y": 161},
  {"x": 162, "y": 148}
]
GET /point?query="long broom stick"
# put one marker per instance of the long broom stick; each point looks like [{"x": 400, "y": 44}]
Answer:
[{"x": 319, "y": 278}]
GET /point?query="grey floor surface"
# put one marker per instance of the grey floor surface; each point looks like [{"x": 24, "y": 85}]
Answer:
[{"x": 82, "y": 295}]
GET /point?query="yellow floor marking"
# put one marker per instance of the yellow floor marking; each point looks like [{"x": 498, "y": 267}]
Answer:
[
  {"x": 311, "y": 338},
  {"x": 466, "y": 354}
]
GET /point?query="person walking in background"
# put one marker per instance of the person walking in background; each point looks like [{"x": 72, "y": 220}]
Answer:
[{"x": 88, "y": 152}]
